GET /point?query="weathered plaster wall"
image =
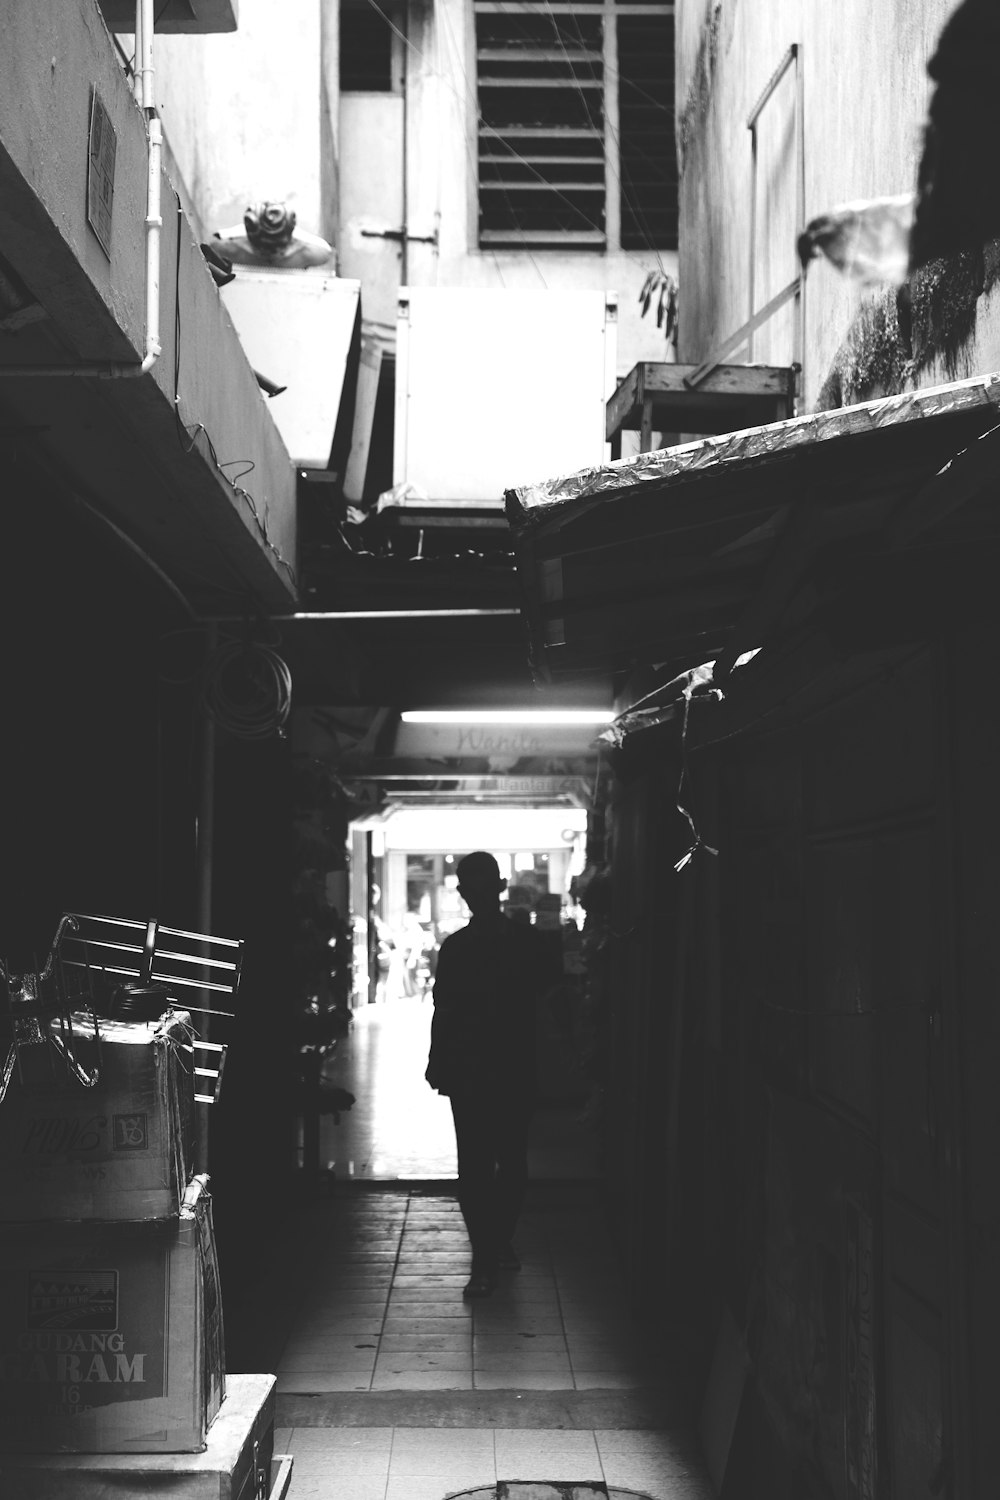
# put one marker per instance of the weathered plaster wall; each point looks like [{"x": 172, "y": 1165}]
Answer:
[
  {"x": 441, "y": 174},
  {"x": 242, "y": 112},
  {"x": 51, "y": 57},
  {"x": 865, "y": 94},
  {"x": 48, "y": 64}
]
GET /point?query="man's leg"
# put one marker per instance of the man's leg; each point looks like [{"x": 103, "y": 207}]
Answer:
[
  {"x": 511, "y": 1181},
  {"x": 475, "y": 1139}
]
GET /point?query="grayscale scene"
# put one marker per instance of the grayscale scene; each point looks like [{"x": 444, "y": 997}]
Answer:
[{"x": 498, "y": 965}]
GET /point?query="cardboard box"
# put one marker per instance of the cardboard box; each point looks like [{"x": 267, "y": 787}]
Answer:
[
  {"x": 237, "y": 1464},
  {"x": 120, "y": 1150},
  {"x": 111, "y": 1336}
]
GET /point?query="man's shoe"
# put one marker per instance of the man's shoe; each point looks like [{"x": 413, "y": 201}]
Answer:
[
  {"x": 508, "y": 1260},
  {"x": 480, "y": 1284}
]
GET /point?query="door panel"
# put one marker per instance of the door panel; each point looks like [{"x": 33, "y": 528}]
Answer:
[{"x": 371, "y": 197}]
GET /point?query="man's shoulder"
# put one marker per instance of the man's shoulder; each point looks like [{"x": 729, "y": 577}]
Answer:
[
  {"x": 503, "y": 928},
  {"x": 453, "y": 939},
  {"x": 515, "y": 934}
]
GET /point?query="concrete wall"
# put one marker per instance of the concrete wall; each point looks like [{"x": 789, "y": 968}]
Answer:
[
  {"x": 241, "y": 111},
  {"x": 440, "y": 193},
  {"x": 51, "y": 60},
  {"x": 258, "y": 114},
  {"x": 865, "y": 94}
]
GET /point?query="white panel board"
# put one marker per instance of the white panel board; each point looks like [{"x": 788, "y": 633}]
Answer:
[
  {"x": 499, "y": 388},
  {"x": 513, "y": 742},
  {"x": 296, "y": 328},
  {"x": 369, "y": 370},
  {"x": 454, "y": 831}
]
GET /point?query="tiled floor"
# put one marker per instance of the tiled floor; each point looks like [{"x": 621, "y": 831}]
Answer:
[
  {"x": 398, "y": 1128},
  {"x": 389, "y": 1314},
  {"x": 427, "y": 1463},
  {"x": 382, "y": 1318}
]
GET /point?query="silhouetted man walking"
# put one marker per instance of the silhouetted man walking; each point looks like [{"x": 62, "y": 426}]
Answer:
[{"x": 489, "y": 977}]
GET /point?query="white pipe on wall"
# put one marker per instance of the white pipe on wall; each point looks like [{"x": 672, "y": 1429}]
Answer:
[{"x": 144, "y": 75}]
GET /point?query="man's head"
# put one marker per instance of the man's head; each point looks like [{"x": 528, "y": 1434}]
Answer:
[
  {"x": 269, "y": 226},
  {"x": 480, "y": 881}
]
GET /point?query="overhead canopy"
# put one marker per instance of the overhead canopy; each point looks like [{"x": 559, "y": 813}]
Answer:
[{"x": 705, "y": 550}]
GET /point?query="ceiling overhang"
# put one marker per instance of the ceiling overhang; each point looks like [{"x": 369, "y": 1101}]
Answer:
[
  {"x": 716, "y": 547},
  {"x": 384, "y": 763},
  {"x": 189, "y": 16},
  {"x": 184, "y": 460}
]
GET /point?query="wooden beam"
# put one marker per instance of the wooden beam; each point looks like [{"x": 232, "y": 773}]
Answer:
[
  {"x": 729, "y": 397},
  {"x": 621, "y": 405},
  {"x": 646, "y": 428},
  {"x": 725, "y": 380}
]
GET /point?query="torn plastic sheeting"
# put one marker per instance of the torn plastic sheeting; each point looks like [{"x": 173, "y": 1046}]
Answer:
[
  {"x": 697, "y": 682},
  {"x": 643, "y": 718},
  {"x": 533, "y": 505}
]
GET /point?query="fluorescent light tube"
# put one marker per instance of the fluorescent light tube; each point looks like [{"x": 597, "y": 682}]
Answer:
[{"x": 508, "y": 716}]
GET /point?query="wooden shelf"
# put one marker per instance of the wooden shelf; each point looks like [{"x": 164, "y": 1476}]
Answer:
[{"x": 656, "y": 398}]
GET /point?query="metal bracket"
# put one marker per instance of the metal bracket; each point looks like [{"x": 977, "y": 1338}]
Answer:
[{"x": 401, "y": 236}]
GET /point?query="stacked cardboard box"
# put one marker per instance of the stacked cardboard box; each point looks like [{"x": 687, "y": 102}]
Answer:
[
  {"x": 111, "y": 1337},
  {"x": 120, "y": 1150},
  {"x": 239, "y": 1462}
]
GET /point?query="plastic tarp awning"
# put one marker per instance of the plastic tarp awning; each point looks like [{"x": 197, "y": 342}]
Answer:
[{"x": 701, "y": 551}]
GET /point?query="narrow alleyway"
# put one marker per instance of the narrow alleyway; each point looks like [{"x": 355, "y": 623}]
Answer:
[{"x": 390, "y": 1387}]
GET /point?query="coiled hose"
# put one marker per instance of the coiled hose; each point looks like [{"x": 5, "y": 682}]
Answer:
[{"x": 248, "y": 690}]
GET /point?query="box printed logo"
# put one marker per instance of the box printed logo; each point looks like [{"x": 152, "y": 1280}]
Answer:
[
  {"x": 131, "y": 1133},
  {"x": 82, "y": 1300}
]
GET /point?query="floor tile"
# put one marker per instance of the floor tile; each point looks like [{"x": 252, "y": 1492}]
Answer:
[
  {"x": 421, "y": 1450},
  {"x": 321, "y": 1487},
  {"x": 344, "y": 1440},
  {"x": 419, "y": 1240},
  {"x": 394, "y": 1261},
  {"x": 557, "y": 1455},
  {"x": 655, "y": 1462},
  {"x": 608, "y": 1380},
  {"x": 422, "y": 1489},
  {"x": 522, "y": 1326},
  {"x": 423, "y": 1380},
  {"x": 339, "y": 1299},
  {"x": 431, "y": 1281},
  {"x": 426, "y": 1297},
  {"x": 510, "y": 1343},
  {"x": 460, "y": 1323},
  {"x": 342, "y": 1322},
  {"x": 526, "y": 1297},
  {"x": 524, "y": 1380},
  {"x": 333, "y": 1359},
  {"x": 445, "y": 1359},
  {"x": 400, "y": 1343},
  {"x": 341, "y": 1465},
  {"x": 540, "y": 1364},
  {"x": 316, "y": 1382}
]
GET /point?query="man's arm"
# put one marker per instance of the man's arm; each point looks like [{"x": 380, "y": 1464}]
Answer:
[{"x": 439, "y": 1063}]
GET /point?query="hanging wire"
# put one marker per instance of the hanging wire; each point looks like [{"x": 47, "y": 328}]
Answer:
[
  {"x": 188, "y": 436},
  {"x": 699, "y": 678}
]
